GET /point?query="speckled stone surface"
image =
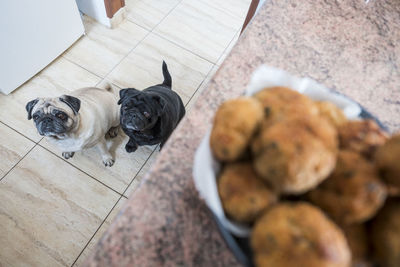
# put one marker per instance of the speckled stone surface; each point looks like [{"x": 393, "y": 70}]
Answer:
[{"x": 348, "y": 46}]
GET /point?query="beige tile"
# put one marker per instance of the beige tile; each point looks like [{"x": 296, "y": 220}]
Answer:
[
  {"x": 120, "y": 174},
  {"x": 148, "y": 13},
  {"x": 139, "y": 177},
  {"x": 49, "y": 210},
  {"x": 92, "y": 244},
  {"x": 13, "y": 147},
  {"x": 228, "y": 49},
  {"x": 142, "y": 68},
  {"x": 102, "y": 48},
  {"x": 200, "y": 28},
  {"x": 58, "y": 78},
  {"x": 204, "y": 85},
  {"x": 238, "y": 8}
]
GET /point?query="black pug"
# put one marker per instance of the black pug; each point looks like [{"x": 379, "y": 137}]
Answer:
[{"x": 148, "y": 117}]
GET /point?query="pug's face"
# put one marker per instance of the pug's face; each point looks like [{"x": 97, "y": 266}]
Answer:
[
  {"x": 54, "y": 117},
  {"x": 139, "y": 111}
]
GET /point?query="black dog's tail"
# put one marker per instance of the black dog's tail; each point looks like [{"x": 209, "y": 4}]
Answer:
[{"x": 167, "y": 77}]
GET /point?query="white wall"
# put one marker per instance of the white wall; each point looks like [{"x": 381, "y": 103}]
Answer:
[{"x": 95, "y": 9}]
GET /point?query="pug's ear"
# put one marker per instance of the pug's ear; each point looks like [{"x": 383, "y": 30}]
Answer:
[
  {"x": 73, "y": 102},
  {"x": 124, "y": 93},
  {"x": 29, "y": 106},
  {"x": 161, "y": 103}
]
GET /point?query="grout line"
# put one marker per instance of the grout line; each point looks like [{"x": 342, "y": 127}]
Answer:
[
  {"x": 209, "y": 72},
  {"x": 176, "y": 44},
  {"x": 226, "y": 48},
  {"x": 184, "y": 48},
  {"x": 20, "y": 133},
  {"x": 36, "y": 143},
  {"x": 97, "y": 230},
  {"x": 17, "y": 163},
  {"x": 123, "y": 194},
  {"x": 91, "y": 72},
  {"x": 102, "y": 78},
  {"x": 125, "y": 56},
  {"x": 143, "y": 27},
  {"x": 198, "y": 87},
  {"x": 149, "y": 32},
  {"x": 115, "y": 191},
  {"x": 214, "y": 64},
  {"x": 228, "y": 12}
]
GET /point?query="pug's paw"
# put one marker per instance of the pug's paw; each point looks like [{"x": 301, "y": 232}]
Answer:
[
  {"x": 108, "y": 162},
  {"x": 68, "y": 155},
  {"x": 131, "y": 148}
]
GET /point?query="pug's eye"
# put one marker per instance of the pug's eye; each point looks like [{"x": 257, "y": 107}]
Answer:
[
  {"x": 35, "y": 117},
  {"x": 61, "y": 116}
]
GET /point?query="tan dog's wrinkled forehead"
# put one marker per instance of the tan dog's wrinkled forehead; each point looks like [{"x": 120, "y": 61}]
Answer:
[{"x": 47, "y": 105}]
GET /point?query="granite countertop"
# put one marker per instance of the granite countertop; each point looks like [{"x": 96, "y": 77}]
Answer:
[{"x": 349, "y": 46}]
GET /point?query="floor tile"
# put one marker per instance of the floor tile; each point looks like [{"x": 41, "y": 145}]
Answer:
[
  {"x": 204, "y": 30},
  {"x": 228, "y": 49},
  {"x": 100, "y": 233},
  {"x": 138, "y": 179},
  {"x": 238, "y": 8},
  {"x": 102, "y": 48},
  {"x": 148, "y": 13},
  {"x": 13, "y": 147},
  {"x": 58, "y": 78},
  {"x": 142, "y": 68},
  {"x": 52, "y": 211},
  {"x": 204, "y": 85},
  {"x": 120, "y": 174}
]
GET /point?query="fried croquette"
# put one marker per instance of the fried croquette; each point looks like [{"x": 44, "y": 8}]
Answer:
[
  {"x": 234, "y": 124},
  {"x": 385, "y": 235},
  {"x": 387, "y": 159},
  {"x": 281, "y": 102},
  {"x": 331, "y": 112},
  {"x": 363, "y": 136},
  {"x": 353, "y": 193},
  {"x": 243, "y": 194},
  {"x": 298, "y": 234},
  {"x": 291, "y": 157},
  {"x": 357, "y": 238}
]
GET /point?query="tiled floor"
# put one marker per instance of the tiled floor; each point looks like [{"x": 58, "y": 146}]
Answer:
[{"x": 53, "y": 211}]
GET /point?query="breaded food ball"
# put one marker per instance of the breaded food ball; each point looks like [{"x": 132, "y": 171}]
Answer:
[
  {"x": 387, "y": 159},
  {"x": 357, "y": 238},
  {"x": 319, "y": 127},
  {"x": 385, "y": 230},
  {"x": 234, "y": 124},
  {"x": 353, "y": 193},
  {"x": 243, "y": 194},
  {"x": 281, "y": 102},
  {"x": 291, "y": 157},
  {"x": 363, "y": 136},
  {"x": 298, "y": 234},
  {"x": 331, "y": 112}
]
